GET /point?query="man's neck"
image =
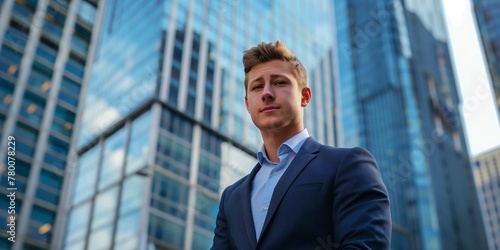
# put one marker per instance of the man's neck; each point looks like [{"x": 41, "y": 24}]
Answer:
[{"x": 273, "y": 140}]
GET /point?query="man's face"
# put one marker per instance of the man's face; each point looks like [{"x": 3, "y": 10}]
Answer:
[{"x": 274, "y": 98}]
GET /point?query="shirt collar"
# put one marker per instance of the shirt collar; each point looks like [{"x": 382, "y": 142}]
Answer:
[{"x": 293, "y": 144}]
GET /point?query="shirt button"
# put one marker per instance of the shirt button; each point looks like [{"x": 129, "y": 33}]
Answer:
[
  {"x": 266, "y": 207},
  {"x": 275, "y": 173}
]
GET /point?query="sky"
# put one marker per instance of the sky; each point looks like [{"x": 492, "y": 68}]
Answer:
[{"x": 481, "y": 122}]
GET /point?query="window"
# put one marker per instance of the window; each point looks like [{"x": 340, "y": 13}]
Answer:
[
  {"x": 104, "y": 208},
  {"x": 209, "y": 172},
  {"x": 101, "y": 239},
  {"x": 41, "y": 224},
  {"x": 138, "y": 147},
  {"x": 86, "y": 175},
  {"x": 207, "y": 209},
  {"x": 32, "y": 107},
  {"x": 113, "y": 158},
  {"x": 167, "y": 231},
  {"x": 78, "y": 221},
  {"x": 169, "y": 196}
]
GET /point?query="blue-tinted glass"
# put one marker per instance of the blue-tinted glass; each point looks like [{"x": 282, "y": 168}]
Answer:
[
  {"x": 23, "y": 15},
  {"x": 127, "y": 236},
  {"x": 6, "y": 89},
  {"x": 28, "y": 133},
  {"x": 74, "y": 67},
  {"x": 132, "y": 193},
  {"x": 10, "y": 61},
  {"x": 166, "y": 230},
  {"x": 47, "y": 196},
  {"x": 209, "y": 172},
  {"x": 68, "y": 98},
  {"x": 58, "y": 127},
  {"x": 174, "y": 155},
  {"x": 138, "y": 148},
  {"x": 64, "y": 114},
  {"x": 46, "y": 52},
  {"x": 78, "y": 220},
  {"x": 177, "y": 125},
  {"x": 14, "y": 37},
  {"x": 169, "y": 196},
  {"x": 104, "y": 208},
  {"x": 201, "y": 241},
  {"x": 58, "y": 145},
  {"x": 42, "y": 215},
  {"x": 79, "y": 46},
  {"x": 42, "y": 69},
  {"x": 54, "y": 161},
  {"x": 32, "y": 107},
  {"x": 86, "y": 176},
  {"x": 51, "y": 179},
  {"x": 70, "y": 85},
  {"x": 101, "y": 238},
  {"x": 113, "y": 158},
  {"x": 87, "y": 12},
  {"x": 28, "y": 149},
  {"x": 207, "y": 209},
  {"x": 4, "y": 242}
]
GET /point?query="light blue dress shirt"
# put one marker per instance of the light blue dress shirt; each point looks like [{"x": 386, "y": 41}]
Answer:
[{"x": 268, "y": 176}]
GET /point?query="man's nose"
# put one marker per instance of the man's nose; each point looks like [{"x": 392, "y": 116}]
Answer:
[{"x": 267, "y": 93}]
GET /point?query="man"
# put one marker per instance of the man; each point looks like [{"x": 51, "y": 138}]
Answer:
[{"x": 301, "y": 194}]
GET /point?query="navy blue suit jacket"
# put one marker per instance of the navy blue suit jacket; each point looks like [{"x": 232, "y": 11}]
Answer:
[{"x": 328, "y": 198}]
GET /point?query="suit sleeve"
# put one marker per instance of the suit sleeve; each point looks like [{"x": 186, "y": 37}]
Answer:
[
  {"x": 361, "y": 211},
  {"x": 221, "y": 237}
]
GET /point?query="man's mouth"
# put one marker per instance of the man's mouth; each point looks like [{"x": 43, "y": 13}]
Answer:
[{"x": 269, "y": 109}]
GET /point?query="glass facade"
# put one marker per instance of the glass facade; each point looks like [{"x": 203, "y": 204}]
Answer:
[
  {"x": 487, "y": 175},
  {"x": 488, "y": 23},
  {"x": 43, "y": 54},
  {"x": 399, "y": 100},
  {"x": 165, "y": 112}
]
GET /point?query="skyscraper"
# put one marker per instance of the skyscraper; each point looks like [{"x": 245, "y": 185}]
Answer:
[
  {"x": 164, "y": 128},
  {"x": 488, "y": 23},
  {"x": 43, "y": 54},
  {"x": 399, "y": 99},
  {"x": 487, "y": 174}
]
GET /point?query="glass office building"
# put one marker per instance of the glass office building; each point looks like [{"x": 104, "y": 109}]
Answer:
[
  {"x": 487, "y": 175},
  {"x": 488, "y": 23},
  {"x": 399, "y": 100},
  {"x": 164, "y": 128},
  {"x": 43, "y": 54}
]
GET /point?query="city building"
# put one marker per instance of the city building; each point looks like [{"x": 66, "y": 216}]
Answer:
[
  {"x": 164, "y": 128},
  {"x": 487, "y": 175},
  {"x": 488, "y": 24},
  {"x": 43, "y": 54},
  {"x": 399, "y": 100}
]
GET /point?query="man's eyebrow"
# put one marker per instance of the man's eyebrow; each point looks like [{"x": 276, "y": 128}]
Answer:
[{"x": 273, "y": 76}]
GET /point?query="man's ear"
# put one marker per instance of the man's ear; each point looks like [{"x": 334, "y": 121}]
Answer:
[
  {"x": 306, "y": 96},
  {"x": 246, "y": 103}
]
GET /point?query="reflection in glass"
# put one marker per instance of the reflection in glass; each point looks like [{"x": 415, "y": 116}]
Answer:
[
  {"x": 77, "y": 225},
  {"x": 104, "y": 208},
  {"x": 100, "y": 239},
  {"x": 113, "y": 158},
  {"x": 87, "y": 175},
  {"x": 138, "y": 147}
]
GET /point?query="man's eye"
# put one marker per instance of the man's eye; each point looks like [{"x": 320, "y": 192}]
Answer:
[
  {"x": 256, "y": 87},
  {"x": 279, "y": 82}
]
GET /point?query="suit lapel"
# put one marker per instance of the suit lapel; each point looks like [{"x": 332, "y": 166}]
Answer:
[
  {"x": 308, "y": 152},
  {"x": 246, "y": 207}
]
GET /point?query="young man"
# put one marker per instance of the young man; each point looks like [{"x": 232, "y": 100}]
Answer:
[{"x": 301, "y": 194}]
